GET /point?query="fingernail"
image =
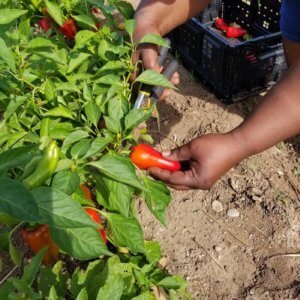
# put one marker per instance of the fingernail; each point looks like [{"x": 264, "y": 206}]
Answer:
[{"x": 166, "y": 153}]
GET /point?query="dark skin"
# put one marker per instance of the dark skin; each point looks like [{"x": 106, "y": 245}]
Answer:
[{"x": 211, "y": 156}]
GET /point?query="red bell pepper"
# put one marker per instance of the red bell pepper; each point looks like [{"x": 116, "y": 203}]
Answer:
[
  {"x": 39, "y": 238},
  {"x": 69, "y": 29},
  {"x": 235, "y": 32},
  {"x": 221, "y": 24},
  {"x": 44, "y": 24},
  {"x": 96, "y": 218},
  {"x": 145, "y": 157}
]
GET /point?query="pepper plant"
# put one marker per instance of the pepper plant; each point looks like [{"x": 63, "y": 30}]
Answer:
[{"x": 67, "y": 121}]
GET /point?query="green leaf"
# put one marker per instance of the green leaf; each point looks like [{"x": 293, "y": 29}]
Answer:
[
  {"x": 119, "y": 196},
  {"x": 112, "y": 289},
  {"x": 112, "y": 124},
  {"x": 117, "y": 107},
  {"x": 125, "y": 8},
  {"x": 66, "y": 181},
  {"x": 81, "y": 243},
  {"x": 145, "y": 296},
  {"x": 6, "y": 55},
  {"x": 87, "y": 93},
  {"x": 17, "y": 157},
  {"x": 117, "y": 168},
  {"x": 77, "y": 59},
  {"x": 74, "y": 137},
  {"x": 130, "y": 27},
  {"x": 52, "y": 294},
  {"x": 4, "y": 240},
  {"x": 60, "y": 210},
  {"x": 110, "y": 79},
  {"x": 92, "y": 112},
  {"x": 153, "y": 251},
  {"x": 126, "y": 232},
  {"x": 14, "y": 253},
  {"x": 55, "y": 12},
  {"x": 154, "y": 39},
  {"x": 8, "y": 220},
  {"x": 33, "y": 267},
  {"x": 157, "y": 197},
  {"x": 80, "y": 148},
  {"x": 61, "y": 131},
  {"x": 97, "y": 146},
  {"x": 137, "y": 116},
  {"x": 83, "y": 295},
  {"x": 152, "y": 77},
  {"x": 59, "y": 111},
  {"x": 83, "y": 37},
  {"x": 171, "y": 282},
  {"x": 22, "y": 208},
  {"x": 55, "y": 276},
  {"x": 49, "y": 90},
  {"x": 84, "y": 20},
  {"x": 40, "y": 43},
  {"x": 9, "y": 15}
]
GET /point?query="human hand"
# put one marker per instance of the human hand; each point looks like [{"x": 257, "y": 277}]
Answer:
[
  {"x": 207, "y": 159},
  {"x": 146, "y": 22}
]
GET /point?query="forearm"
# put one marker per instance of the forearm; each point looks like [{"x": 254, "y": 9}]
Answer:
[
  {"x": 276, "y": 119},
  {"x": 161, "y": 16}
]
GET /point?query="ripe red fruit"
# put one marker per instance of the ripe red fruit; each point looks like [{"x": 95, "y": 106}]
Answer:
[
  {"x": 69, "y": 29},
  {"x": 44, "y": 24},
  {"x": 144, "y": 156},
  {"x": 221, "y": 24},
  {"x": 96, "y": 218},
  {"x": 235, "y": 32}
]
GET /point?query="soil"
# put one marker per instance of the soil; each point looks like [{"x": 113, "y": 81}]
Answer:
[{"x": 255, "y": 255}]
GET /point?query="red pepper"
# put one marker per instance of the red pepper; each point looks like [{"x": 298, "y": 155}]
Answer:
[
  {"x": 69, "y": 29},
  {"x": 234, "y": 32},
  {"x": 96, "y": 218},
  {"x": 87, "y": 193},
  {"x": 221, "y": 24},
  {"x": 39, "y": 238},
  {"x": 145, "y": 157},
  {"x": 44, "y": 24}
]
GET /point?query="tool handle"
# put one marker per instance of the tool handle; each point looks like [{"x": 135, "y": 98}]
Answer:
[
  {"x": 169, "y": 72},
  {"x": 163, "y": 51}
]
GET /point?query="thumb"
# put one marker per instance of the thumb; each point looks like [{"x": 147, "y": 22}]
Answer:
[{"x": 182, "y": 153}]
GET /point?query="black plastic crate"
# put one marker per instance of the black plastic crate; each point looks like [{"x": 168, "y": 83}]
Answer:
[{"x": 235, "y": 69}]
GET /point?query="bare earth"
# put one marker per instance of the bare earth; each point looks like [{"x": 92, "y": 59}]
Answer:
[{"x": 255, "y": 255}]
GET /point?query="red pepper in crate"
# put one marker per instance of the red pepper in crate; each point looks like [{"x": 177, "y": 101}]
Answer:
[
  {"x": 69, "y": 29},
  {"x": 221, "y": 24},
  {"x": 235, "y": 32},
  {"x": 39, "y": 238}
]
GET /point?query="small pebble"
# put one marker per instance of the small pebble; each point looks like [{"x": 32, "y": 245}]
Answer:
[
  {"x": 256, "y": 191},
  {"x": 217, "y": 206},
  {"x": 233, "y": 213},
  {"x": 217, "y": 248}
]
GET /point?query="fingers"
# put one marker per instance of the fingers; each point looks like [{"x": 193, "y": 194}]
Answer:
[
  {"x": 178, "y": 180},
  {"x": 149, "y": 56},
  {"x": 182, "y": 153}
]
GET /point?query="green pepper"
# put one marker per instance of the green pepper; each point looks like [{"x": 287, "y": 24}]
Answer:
[{"x": 45, "y": 167}]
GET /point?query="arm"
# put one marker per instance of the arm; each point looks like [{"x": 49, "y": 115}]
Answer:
[
  {"x": 160, "y": 17},
  {"x": 211, "y": 156}
]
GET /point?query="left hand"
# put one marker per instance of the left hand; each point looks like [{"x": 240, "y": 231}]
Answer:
[{"x": 208, "y": 158}]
